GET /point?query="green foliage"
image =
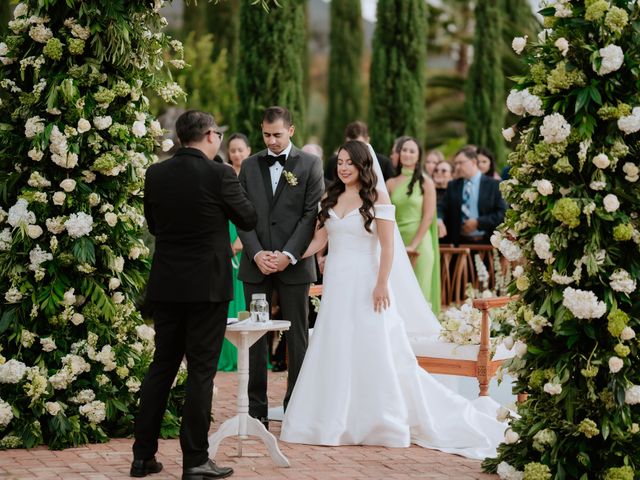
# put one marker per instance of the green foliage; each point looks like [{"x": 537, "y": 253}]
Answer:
[
  {"x": 575, "y": 197},
  {"x": 484, "y": 87},
  {"x": 270, "y": 71},
  {"x": 345, "y": 71},
  {"x": 75, "y": 143},
  {"x": 397, "y": 78}
]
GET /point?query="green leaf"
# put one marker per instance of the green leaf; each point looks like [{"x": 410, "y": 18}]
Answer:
[
  {"x": 8, "y": 317},
  {"x": 582, "y": 100},
  {"x": 84, "y": 250}
]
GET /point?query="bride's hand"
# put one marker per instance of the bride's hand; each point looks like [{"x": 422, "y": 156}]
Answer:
[{"x": 381, "y": 298}]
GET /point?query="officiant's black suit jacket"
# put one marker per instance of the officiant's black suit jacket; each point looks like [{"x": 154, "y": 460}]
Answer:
[
  {"x": 286, "y": 219},
  {"x": 491, "y": 209},
  {"x": 188, "y": 203}
]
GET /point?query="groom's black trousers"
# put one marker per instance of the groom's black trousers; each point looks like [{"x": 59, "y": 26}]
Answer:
[
  {"x": 294, "y": 307},
  {"x": 194, "y": 330}
]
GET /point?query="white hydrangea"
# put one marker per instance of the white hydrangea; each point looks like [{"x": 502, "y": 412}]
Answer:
[
  {"x": 75, "y": 364},
  {"x": 53, "y": 408},
  {"x": 79, "y": 224},
  {"x": 145, "y": 332},
  {"x": 167, "y": 144},
  {"x": 583, "y": 303},
  {"x": 621, "y": 281},
  {"x": 12, "y": 371},
  {"x": 55, "y": 225},
  {"x": 139, "y": 129},
  {"x": 553, "y": 388},
  {"x": 33, "y": 127},
  {"x": 631, "y": 171},
  {"x": 611, "y": 203},
  {"x": 27, "y": 338},
  {"x": 510, "y": 250},
  {"x": 114, "y": 283},
  {"x": 632, "y": 395},
  {"x": 615, "y": 364},
  {"x": 518, "y": 44},
  {"x": 520, "y": 102},
  {"x": 48, "y": 344},
  {"x": 107, "y": 357},
  {"x": 555, "y": 128},
  {"x": 94, "y": 411},
  {"x": 601, "y": 161},
  {"x": 13, "y": 295},
  {"x": 36, "y": 180},
  {"x": 37, "y": 257},
  {"x": 612, "y": 59},
  {"x": 6, "y": 413},
  {"x": 118, "y": 264},
  {"x": 19, "y": 214},
  {"x": 133, "y": 384},
  {"x": 5, "y": 240},
  {"x": 40, "y": 33},
  {"x": 21, "y": 10},
  {"x": 83, "y": 396},
  {"x": 507, "y": 472},
  {"x": 155, "y": 129},
  {"x": 563, "y": 9},
  {"x": 117, "y": 297},
  {"x": 630, "y": 123},
  {"x": 542, "y": 247},
  {"x": 102, "y": 123},
  {"x": 563, "y": 45}
]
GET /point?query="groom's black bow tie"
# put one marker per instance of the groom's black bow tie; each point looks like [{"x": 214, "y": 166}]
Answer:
[{"x": 281, "y": 159}]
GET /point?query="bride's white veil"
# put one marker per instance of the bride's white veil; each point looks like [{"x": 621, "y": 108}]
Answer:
[{"x": 410, "y": 302}]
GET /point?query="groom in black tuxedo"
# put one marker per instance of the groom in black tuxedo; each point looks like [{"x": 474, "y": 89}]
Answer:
[
  {"x": 285, "y": 184},
  {"x": 188, "y": 202}
]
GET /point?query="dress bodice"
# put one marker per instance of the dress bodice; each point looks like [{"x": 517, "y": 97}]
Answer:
[{"x": 347, "y": 235}]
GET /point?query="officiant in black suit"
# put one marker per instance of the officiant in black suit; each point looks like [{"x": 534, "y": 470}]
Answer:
[
  {"x": 285, "y": 184},
  {"x": 472, "y": 207},
  {"x": 188, "y": 202}
]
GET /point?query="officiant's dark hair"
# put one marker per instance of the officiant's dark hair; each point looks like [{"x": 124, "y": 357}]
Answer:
[
  {"x": 193, "y": 125},
  {"x": 361, "y": 159},
  {"x": 273, "y": 114}
]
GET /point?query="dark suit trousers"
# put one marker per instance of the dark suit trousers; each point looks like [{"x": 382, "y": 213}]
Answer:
[
  {"x": 294, "y": 306},
  {"x": 194, "y": 330}
]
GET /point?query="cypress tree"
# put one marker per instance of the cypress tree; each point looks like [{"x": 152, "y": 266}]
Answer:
[
  {"x": 485, "y": 85},
  {"x": 397, "y": 80},
  {"x": 345, "y": 61},
  {"x": 194, "y": 18},
  {"x": 270, "y": 70},
  {"x": 223, "y": 22},
  {"x": 5, "y": 16}
]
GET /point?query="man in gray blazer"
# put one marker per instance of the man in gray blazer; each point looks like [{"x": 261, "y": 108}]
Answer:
[{"x": 285, "y": 184}]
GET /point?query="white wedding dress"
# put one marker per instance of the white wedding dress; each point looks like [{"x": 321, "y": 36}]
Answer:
[{"x": 360, "y": 383}]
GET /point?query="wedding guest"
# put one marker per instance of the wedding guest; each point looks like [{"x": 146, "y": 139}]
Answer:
[
  {"x": 238, "y": 149},
  {"x": 431, "y": 159},
  {"x": 442, "y": 175},
  {"x": 188, "y": 202},
  {"x": 487, "y": 163},
  {"x": 395, "y": 153},
  {"x": 314, "y": 149},
  {"x": 360, "y": 132},
  {"x": 472, "y": 206},
  {"x": 414, "y": 195}
]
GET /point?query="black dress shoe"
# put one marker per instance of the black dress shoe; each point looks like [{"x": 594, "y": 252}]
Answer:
[
  {"x": 142, "y": 468},
  {"x": 208, "y": 469}
]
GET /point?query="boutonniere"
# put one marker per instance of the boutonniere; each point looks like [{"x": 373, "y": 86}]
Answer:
[{"x": 290, "y": 178}]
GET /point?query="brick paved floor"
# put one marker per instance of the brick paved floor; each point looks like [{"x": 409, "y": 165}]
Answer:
[{"x": 111, "y": 460}]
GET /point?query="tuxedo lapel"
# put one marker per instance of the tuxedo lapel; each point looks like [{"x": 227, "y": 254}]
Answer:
[
  {"x": 289, "y": 167},
  {"x": 266, "y": 177}
]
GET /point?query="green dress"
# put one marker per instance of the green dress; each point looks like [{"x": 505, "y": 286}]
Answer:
[
  {"x": 408, "y": 217},
  {"x": 228, "y": 361}
]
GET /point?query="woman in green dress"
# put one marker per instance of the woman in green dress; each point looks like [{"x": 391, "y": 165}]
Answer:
[
  {"x": 414, "y": 195},
  {"x": 238, "y": 149}
]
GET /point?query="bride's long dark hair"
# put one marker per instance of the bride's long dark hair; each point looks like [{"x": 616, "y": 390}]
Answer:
[{"x": 361, "y": 159}]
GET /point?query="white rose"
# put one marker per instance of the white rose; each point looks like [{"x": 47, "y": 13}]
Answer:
[
  {"x": 20, "y": 10},
  {"x": 553, "y": 388},
  {"x": 35, "y": 155},
  {"x": 627, "y": 333},
  {"x": 68, "y": 185},
  {"x": 508, "y": 133},
  {"x": 545, "y": 187},
  {"x": 111, "y": 219},
  {"x": 94, "y": 199},
  {"x": 117, "y": 297},
  {"x": 77, "y": 318},
  {"x": 612, "y": 59},
  {"x": 611, "y": 203},
  {"x": 518, "y": 44},
  {"x": 139, "y": 129},
  {"x": 114, "y": 283},
  {"x": 69, "y": 298},
  {"x": 34, "y": 231},
  {"x": 502, "y": 414},
  {"x": 518, "y": 271},
  {"x": 563, "y": 45},
  {"x": 510, "y": 436},
  {"x": 167, "y": 145},
  {"x": 632, "y": 395},
  {"x": 632, "y": 172},
  {"x": 601, "y": 161},
  {"x": 520, "y": 348},
  {"x": 615, "y": 364},
  {"x": 59, "y": 197},
  {"x": 84, "y": 125},
  {"x": 3, "y": 48},
  {"x": 53, "y": 408}
]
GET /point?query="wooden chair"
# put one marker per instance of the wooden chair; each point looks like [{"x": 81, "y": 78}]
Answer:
[
  {"x": 456, "y": 270},
  {"x": 465, "y": 360}
]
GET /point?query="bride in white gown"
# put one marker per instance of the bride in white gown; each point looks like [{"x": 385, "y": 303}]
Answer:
[{"x": 360, "y": 383}]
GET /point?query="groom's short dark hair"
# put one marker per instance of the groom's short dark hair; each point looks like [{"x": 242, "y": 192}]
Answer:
[
  {"x": 193, "y": 125},
  {"x": 273, "y": 114}
]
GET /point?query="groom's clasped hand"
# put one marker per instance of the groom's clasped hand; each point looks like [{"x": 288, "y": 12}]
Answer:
[{"x": 271, "y": 262}]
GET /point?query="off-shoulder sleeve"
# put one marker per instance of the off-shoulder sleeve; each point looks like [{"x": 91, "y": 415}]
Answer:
[{"x": 385, "y": 212}]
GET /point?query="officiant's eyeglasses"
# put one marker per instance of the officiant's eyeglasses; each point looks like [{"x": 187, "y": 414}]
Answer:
[{"x": 220, "y": 134}]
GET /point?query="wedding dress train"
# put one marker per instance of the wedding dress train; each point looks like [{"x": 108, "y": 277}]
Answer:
[{"x": 360, "y": 383}]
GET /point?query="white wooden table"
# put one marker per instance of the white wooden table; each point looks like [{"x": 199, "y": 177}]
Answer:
[{"x": 243, "y": 425}]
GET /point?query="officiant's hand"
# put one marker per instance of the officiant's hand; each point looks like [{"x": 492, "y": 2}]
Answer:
[
  {"x": 282, "y": 260},
  {"x": 381, "y": 298},
  {"x": 266, "y": 262}
]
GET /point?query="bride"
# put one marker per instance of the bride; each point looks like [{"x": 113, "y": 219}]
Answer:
[{"x": 360, "y": 383}]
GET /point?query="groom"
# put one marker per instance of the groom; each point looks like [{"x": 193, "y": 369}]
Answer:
[{"x": 285, "y": 184}]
